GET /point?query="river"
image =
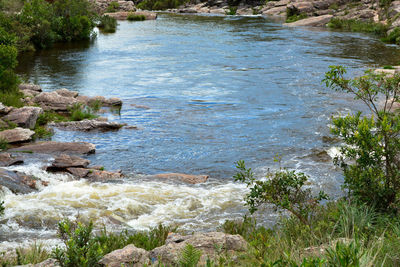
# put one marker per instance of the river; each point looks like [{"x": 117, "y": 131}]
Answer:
[{"x": 204, "y": 92}]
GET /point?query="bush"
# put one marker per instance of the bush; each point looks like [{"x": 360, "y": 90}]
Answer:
[
  {"x": 352, "y": 25},
  {"x": 369, "y": 157},
  {"x": 107, "y": 24},
  {"x": 80, "y": 112},
  {"x": 112, "y": 7},
  {"x": 393, "y": 37},
  {"x": 8, "y": 61},
  {"x": 134, "y": 17},
  {"x": 232, "y": 10}
]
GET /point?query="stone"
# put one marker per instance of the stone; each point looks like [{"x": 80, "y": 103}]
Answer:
[
  {"x": 78, "y": 172},
  {"x": 4, "y": 110},
  {"x": 102, "y": 176},
  {"x": 123, "y": 15},
  {"x": 312, "y": 21},
  {"x": 187, "y": 11},
  {"x": 302, "y": 7},
  {"x": 17, "y": 184},
  {"x": 17, "y": 135},
  {"x": 275, "y": 11},
  {"x": 127, "y": 256},
  {"x": 67, "y": 93},
  {"x": 3, "y": 124},
  {"x": 210, "y": 244},
  {"x": 186, "y": 178},
  {"x": 140, "y": 106},
  {"x": 46, "y": 263},
  {"x": 244, "y": 11},
  {"x": 30, "y": 87},
  {"x": 88, "y": 125},
  {"x": 65, "y": 161},
  {"x": 24, "y": 117},
  {"x": 54, "y": 101},
  {"x": 50, "y": 147},
  {"x": 389, "y": 72},
  {"x": 282, "y": 3},
  {"x": 6, "y": 159}
]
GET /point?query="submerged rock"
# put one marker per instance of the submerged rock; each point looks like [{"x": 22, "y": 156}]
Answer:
[
  {"x": 210, "y": 244},
  {"x": 17, "y": 135},
  {"x": 24, "y": 117},
  {"x": 127, "y": 256},
  {"x": 18, "y": 184},
  {"x": 6, "y": 159},
  {"x": 186, "y": 178},
  {"x": 50, "y": 147},
  {"x": 88, "y": 125}
]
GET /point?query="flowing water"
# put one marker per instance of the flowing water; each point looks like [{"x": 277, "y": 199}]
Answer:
[{"x": 204, "y": 92}]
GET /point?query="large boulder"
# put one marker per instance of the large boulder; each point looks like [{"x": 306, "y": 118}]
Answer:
[
  {"x": 64, "y": 161},
  {"x": 30, "y": 87},
  {"x": 312, "y": 21},
  {"x": 6, "y": 159},
  {"x": 275, "y": 11},
  {"x": 88, "y": 125},
  {"x": 210, "y": 244},
  {"x": 24, "y": 117},
  {"x": 186, "y": 178},
  {"x": 17, "y": 135},
  {"x": 54, "y": 101},
  {"x": 18, "y": 184},
  {"x": 50, "y": 147},
  {"x": 127, "y": 256},
  {"x": 67, "y": 93}
]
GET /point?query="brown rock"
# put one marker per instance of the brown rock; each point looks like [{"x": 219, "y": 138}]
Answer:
[
  {"x": 54, "y": 101},
  {"x": 46, "y": 263},
  {"x": 67, "y": 93},
  {"x": 78, "y": 172},
  {"x": 17, "y": 135},
  {"x": 123, "y": 15},
  {"x": 88, "y": 125},
  {"x": 50, "y": 147},
  {"x": 187, "y": 178},
  {"x": 102, "y": 176},
  {"x": 276, "y": 11},
  {"x": 127, "y": 256},
  {"x": 64, "y": 161},
  {"x": 6, "y": 159},
  {"x": 30, "y": 87},
  {"x": 312, "y": 21},
  {"x": 210, "y": 244},
  {"x": 15, "y": 182},
  {"x": 24, "y": 117},
  {"x": 302, "y": 7}
]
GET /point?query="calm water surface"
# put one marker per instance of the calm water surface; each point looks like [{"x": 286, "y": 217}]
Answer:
[{"x": 218, "y": 89}]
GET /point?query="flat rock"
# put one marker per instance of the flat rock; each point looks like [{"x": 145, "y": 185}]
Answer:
[
  {"x": 88, "y": 125},
  {"x": 210, "y": 244},
  {"x": 102, "y": 176},
  {"x": 312, "y": 21},
  {"x": 24, "y": 117},
  {"x": 6, "y": 159},
  {"x": 78, "y": 172},
  {"x": 30, "y": 87},
  {"x": 18, "y": 184},
  {"x": 67, "y": 93},
  {"x": 124, "y": 15},
  {"x": 275, "y": 11},
  {"x": 17, "y": 135},
  {"x": 127, "y": 256},
  {"x": 187, "y": 178},
  {"x": 54, "y": 101},
  {"x": 50, "y": 147},
  {"x": 64, "y": 161}
]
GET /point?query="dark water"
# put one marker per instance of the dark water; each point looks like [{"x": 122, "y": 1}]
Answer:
[{"x": 219, "y": 89}]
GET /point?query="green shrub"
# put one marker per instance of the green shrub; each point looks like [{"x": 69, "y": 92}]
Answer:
[
  {"x": 352, "y": 25},
  {"x": 33, "y": 255},
  {"x": 232, "y": 10},
  {"x": 388, "y": 67},
  {"x": 393, "y": 37},
  {"x": 49, "y": 116},
  {"x": 41, "y": 132},
  {"x": 112, "y": 7},
  {"x": 344, "y": 254},
  {"x": 3, "y": 144},
  {"x": 80, "y": 112},
  {"x": 189, "y": 256},
  {"x": 369, "y": 157},
  {"x": 160, "y": 4},
  {"x": 134, "y": 17},
  {"x": 107, "y": 24},
  {"x": 8, "y": 62}
]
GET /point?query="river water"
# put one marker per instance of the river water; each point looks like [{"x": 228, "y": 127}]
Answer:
[{"x": 204, "y": 92}]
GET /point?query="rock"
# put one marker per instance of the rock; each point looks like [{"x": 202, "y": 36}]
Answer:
[
  {"x": 30, "y": 87},
  {"x": 88, "y": 125},
  {"x": 78, "y": 172},
  {"x": 65, "y": 161},
  {"x": 389, "y": 72},
  {"x": 24, "y": 117},
  {"x": 244, "y": 11},
  {"x": 54, "y": 101},
  {"x": 123, "y": 15},
  {"x": 140, "y": 106},
  {"x": 102, "y": 176},
  {"x": 276, "y": 11},
  {"x": 208, "y": 243},
  {"x": 3, "y": 125},
  {"x": 50, "y": 147},
  {"x": 302, "y": 7},
  {"x": 282, "y": 3},
  {"x": 67, "y": 93},
  {"x": 46, "y": 263},
  {"x": 4, "y": 110},
  {"x": 17, "y": 135},
  {"x": 127, "y": 256},
  {"x": 187, "y": 11},
  {"x": 16, "y": 183},
  {"x": 187, "y": 178},
  {"x": 312, "y": 21},
  {"x": 6, "y": 159}
]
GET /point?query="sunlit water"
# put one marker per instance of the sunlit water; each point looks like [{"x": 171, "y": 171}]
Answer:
[{"x": 218, "y": 89}]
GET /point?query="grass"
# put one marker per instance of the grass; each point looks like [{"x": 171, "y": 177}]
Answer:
[
  {"x": 12, "y": 99},
  {"x": 80, "y": 112},
  {"x": 232, "y": 10},
  {"x": 3, "y": 144},
  {"x": 107, "y": 24},
  {"x": 113, "y": 7},
  {"x": 295, "y": 18},
  {"x": 160, "y": 4},
  {"x": 32, "y": 255},
  {"x": 352, "y": 25},
  {"x": 134, "y": 17}
]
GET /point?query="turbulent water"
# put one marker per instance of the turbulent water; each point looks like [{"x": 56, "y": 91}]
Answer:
[{"x": 204, "y": 91}]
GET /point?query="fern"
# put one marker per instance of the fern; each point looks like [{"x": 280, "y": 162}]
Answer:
[{"x": 189, "y": 256}]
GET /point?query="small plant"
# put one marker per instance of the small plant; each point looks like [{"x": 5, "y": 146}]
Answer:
[
  {"x": 41, "y": 132},
  {"x": 393, "y": 37},
  {"x": 344, "y": 254},
  {"x": 2, "y": 208},
  {"x": 388, "y": 67},
  {"x": 232, "y": 10},
  {"x": 334, "y": 6},
  {"x": 293, "y": 14},
  {"x": 134, "y": 17},
  {"x": 34, "y": 254},
  {"x": 107, "y": 24},
  {"x": 352, "y": 25},
  {"x": 113, "y": 7},
  {"x": 80, "y": 112},
  {"x": 284, "y": 189},
  {"x": 3, "y": 144},
  {"x": 189, "y": 257}
]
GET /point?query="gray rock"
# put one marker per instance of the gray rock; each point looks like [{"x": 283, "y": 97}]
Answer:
[
  {"x": 30, "y": 87},
  {"x": 88, "y": 125},
  {"x": 17, "y": 135},
  {"x": 65, "y": 161},
  {"x": 78, "y": 172},
  {"x": 275, "y": 11},
  {"x": 16, "y": 183},
  {"x": 54, "y": 101},
  {"x": 50, "y": 147},
  {"x": 24, "y": 117},
  {"x": 312, "y": 22},
  {"x": 6, "y": 159},
  {"x": 186, "y": 178},
  {"x": 210, "y": 244},
  {"x": 46, "y": 263},
  {"x": 103, "y": 176},
  {"x": 127, "y": 256},
  {"x": 67, "y": 93}
]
